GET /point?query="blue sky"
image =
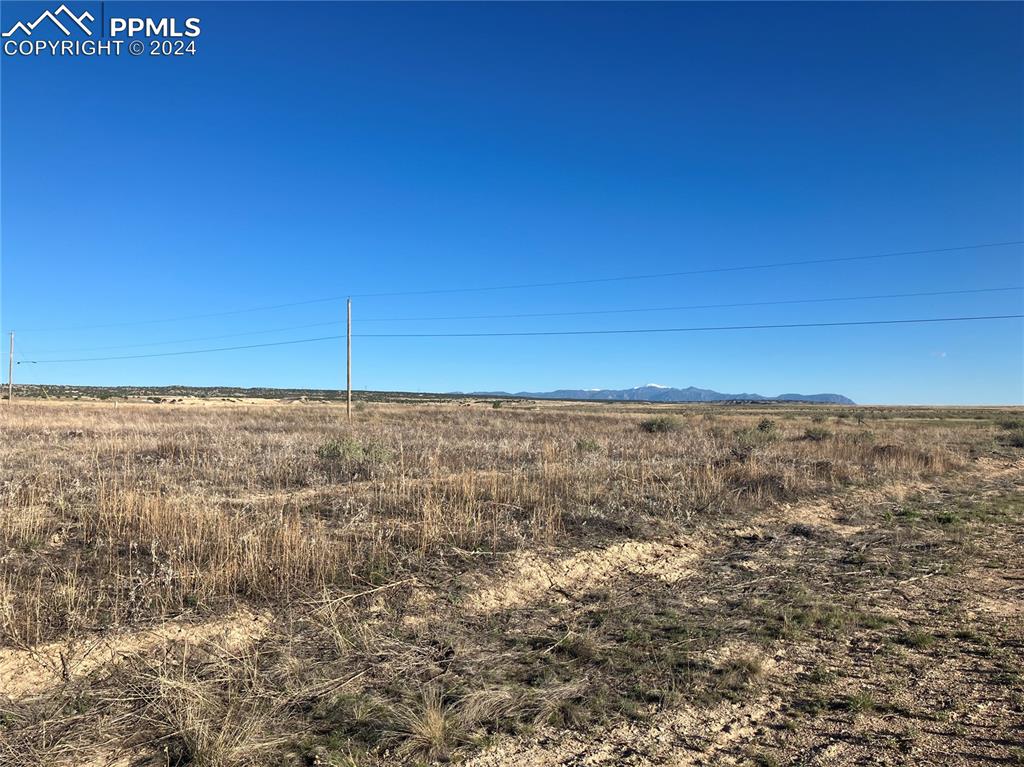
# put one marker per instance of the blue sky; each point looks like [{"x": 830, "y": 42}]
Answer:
[{"x": 315, "y": 149}]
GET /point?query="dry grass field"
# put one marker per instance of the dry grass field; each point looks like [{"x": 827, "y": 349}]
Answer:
[{"x": 246, "y": 583}]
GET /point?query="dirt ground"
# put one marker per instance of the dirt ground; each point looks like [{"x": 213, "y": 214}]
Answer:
[{"x": 264, "y": 584}]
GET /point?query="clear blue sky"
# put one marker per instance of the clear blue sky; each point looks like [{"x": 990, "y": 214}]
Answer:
[{"x": 318, "y": 149}]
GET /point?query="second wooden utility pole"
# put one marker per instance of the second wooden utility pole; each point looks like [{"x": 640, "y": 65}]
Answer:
[
  {"x": 348, "y": 363},
  {"x": 10, "y": 372}
]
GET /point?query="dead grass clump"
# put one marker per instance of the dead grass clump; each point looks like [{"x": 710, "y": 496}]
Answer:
[
  {"x": 760, "y": 484},
  {"x": 738, "y": 672},
  {"x": 900, "y": 460},
  {"x": 428, "y": 729},
  {"x": 209, "y": 711}
]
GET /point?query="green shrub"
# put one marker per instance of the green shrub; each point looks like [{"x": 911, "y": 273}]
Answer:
[
  {"x": 350, "y": 455},
  {"x": 661, "y": 424},
  {"x": 587, "y": 445},
  {"x": 766, "y": 426},
  {"x": 818, "y": 418}
]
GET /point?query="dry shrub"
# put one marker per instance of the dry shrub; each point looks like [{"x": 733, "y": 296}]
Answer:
[
  {"x": 759, "y": 484},
  {"x": 660, "y": 424},
  {"x": 902, "y": 460}
]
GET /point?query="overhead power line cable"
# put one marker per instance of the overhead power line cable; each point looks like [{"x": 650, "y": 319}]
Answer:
[
  {"x": 708, "y": 328},
  {"x": 736, "y": 304},
  {"x": 777, "y": 326},
  {"x": 188, "y": 351},
  {"x": 194, "y": 340},
  {"x": 557, "y": 283},
  {"x": 689, "y": 272},
  {"x": 732, "y": 305}
]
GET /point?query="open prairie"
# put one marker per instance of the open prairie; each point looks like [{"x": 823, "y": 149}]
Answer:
[{"x": 262, "y": 583}]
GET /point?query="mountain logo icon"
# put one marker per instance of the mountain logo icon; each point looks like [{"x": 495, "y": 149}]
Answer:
[{"x": 62, "y": 17}]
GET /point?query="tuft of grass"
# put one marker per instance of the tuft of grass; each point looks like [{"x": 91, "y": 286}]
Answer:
[
  {"x": 427, "y": 729},
  {"x": 861, "y": 702},
  {"x": 918, "y": 640},
  {"x": 738, "y": 672}
]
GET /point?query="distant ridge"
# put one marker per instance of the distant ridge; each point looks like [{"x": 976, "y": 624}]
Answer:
[{"x": 659, "y": 393}]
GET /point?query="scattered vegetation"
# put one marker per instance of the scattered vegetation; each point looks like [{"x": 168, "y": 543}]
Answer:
[{"x": 243, "y": 583}]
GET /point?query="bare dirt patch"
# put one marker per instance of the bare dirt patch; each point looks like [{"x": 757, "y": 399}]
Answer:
[
  {"x": 530, "y": 577},
  {"x": 33, "y": 672}
]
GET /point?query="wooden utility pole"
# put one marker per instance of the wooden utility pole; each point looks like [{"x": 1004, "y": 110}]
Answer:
[
  {"x": 10, "y": 372},
  {"x": 348, "y": 363}
]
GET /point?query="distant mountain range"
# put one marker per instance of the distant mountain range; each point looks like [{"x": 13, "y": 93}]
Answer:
[{"x": 658, "y": 393}]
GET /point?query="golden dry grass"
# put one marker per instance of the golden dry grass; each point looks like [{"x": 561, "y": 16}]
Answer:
[{"x": 359, "y": 538}]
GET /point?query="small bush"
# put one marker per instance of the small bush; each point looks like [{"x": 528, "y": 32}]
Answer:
[
  {"x": 818, "y": 418},
  {"x": 766, "y": 426},
  {"x": 817, "y": 433},
  {"x": 748, "y": 440},
  {"x": 586, "y": 445},
  {"x": 336, "y": 449},
  {"x": 353, "y": 456},
  {"x": 661, "y": 424}
]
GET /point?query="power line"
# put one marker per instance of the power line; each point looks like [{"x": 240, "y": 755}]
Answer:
[
  {"x": 524, "y": 286},
  {"x": 691, "y": 306},
  {"x": 182, "y": 318},
  {"x": 191, "y": 340},
  {"x": 535, "y": 314},
  {"x": 689, "y": 272},
  {"x": 781, "y": 326},
  {"x": 190, "y": 351}
]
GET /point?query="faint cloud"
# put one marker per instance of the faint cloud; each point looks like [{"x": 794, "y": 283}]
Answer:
[{"x": 939, "y": 355}]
